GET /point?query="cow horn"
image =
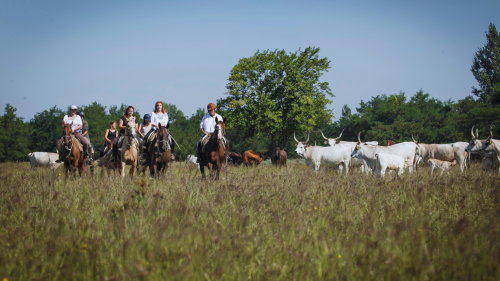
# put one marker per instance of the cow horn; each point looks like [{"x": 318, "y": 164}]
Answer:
[
  {"x": 491, "y": 134},
  {"x": 359, "y": 140},
  {"x": 415, "y": 140},
  {"x": 295, "y": 137},
  {"x": 323, "y": 134},
  {"x": 472, "y": 132},
  {"x": 307, "y": 137},
  {"x": 340, "y": 134},
  {"x": 477, "y": 133}
]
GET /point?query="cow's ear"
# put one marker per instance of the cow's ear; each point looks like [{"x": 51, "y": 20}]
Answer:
[{"x": 337, "y": 141}]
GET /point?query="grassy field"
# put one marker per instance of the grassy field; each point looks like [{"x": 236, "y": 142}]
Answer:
[{"x": 261, "y": 224}]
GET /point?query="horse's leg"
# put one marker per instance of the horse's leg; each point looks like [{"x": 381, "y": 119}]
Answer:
[
  {"x": 122, "y": 168},
  {"x": 202, "y": 170}
]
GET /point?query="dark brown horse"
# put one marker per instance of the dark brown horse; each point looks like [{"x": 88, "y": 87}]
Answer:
[
  {"x": 159, "y": 151},
  {"x": 278, "y": 157},
  {"x": 391, "y": 142},
  {"x": 236, "y": 158},
  {"x": 214, "y": 150},
  {"x": 71, "y": 152}
]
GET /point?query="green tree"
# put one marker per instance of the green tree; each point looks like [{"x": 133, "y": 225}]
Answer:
[
  {"x": 173, "y": 112},
  {"x": 274, "y": 93},
  {"x": 14, "y": 137},
  {"x": 46, "y": 129},
  {"x": 486, "y": 66}
]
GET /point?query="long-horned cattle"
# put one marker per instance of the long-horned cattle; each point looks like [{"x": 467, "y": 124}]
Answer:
[
  {"x": 443, "y": 152},
  {"x": 441, "y": 165},
  {"x": 351, "y": 146},
  {"x": 390, "y": 161},
  {"x": 406, "y": 150},
  {"x": 191, "y": 159},
  {"x": 492, "y": 145},
  {"x": 489, "y": 161},
  {"x": 279, "y": 156},
  {"x": 44, "y": 159},
  {"x": 316, "y": 156}
]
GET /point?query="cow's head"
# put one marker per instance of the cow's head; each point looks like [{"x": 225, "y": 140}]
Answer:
[
  {"x": 475, "y": 144},
  {"x": 334, "y": 141},
  {"x": 358, "y": 152},
  {"x": 301, "y": 146},
  {"x": 489, "y": 145}
]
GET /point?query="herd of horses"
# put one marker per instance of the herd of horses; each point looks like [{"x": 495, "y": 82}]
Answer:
[{"x": 157, "y": 153}]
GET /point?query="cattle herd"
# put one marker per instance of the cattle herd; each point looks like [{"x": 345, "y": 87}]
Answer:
[{"x": 364, "y": 156}]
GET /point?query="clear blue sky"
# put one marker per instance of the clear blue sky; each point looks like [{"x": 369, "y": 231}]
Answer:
[{"x": 138, "y": 52}]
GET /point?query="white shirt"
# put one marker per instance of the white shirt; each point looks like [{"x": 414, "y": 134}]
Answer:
[
  {"x": 208, "y": 122},
  {"x": 144, "y": 129},
  {"x": 77, "y": 121},
  {"x": 159, "y": 118}
]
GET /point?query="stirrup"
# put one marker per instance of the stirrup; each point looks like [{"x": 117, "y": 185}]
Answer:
[{"x": 113, "y": 159}]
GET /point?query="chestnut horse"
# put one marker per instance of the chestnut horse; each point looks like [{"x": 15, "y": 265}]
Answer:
[
  {"x": 215, "y": 150},
  {"x": 71, "y": 151},
  {"x": 159, "y": 152}
]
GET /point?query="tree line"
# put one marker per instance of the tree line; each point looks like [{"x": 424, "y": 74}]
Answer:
[{"x": 274, "y": 94}]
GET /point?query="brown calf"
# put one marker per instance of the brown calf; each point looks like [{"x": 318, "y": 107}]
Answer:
[{"x": 278, "y": 157}]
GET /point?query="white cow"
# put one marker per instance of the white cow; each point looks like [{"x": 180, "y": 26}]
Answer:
[
  {"x": 44, "y": 159},
  {"x": 355, "y": 162},
  {"x": 444, "y": 152},
  {"x": 390, "y": 161},
  {"x": 441, "y": 165},
  {"x": 191, "y": 159},
  {"x": 492, "y": 145},
  {"x": 406, "y": 150},
  {"x": 315, "y": 156},
  {"x": 489, "y": 161}
]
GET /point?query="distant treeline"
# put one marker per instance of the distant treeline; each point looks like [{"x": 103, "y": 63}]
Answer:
[{"x": 385, "y": 116}]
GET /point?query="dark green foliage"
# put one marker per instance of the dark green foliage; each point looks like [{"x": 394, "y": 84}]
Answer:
[
  {"x": 13, "y": 137},
  {"x": 45, "y": 130},
  {"x": 486, "y": 67}
]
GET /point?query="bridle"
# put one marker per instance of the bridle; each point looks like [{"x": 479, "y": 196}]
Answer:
[{"x": 67, "y": 141}]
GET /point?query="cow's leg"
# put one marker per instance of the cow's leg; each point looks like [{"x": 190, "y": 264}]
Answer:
[
  {"x": 382, "y": 171},
  {"x": 346, "y": 166}
]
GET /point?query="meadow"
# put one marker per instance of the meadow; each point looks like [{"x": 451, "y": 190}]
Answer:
[{"x": 264, "y": 223}]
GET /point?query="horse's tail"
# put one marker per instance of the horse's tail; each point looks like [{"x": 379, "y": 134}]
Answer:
[{"x": 103, "y": 160}]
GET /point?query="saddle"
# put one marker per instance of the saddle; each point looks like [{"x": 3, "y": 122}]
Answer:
[
  {"x": 205, "y": 140},
  {"x": 77, "y": 141},
  {"x": 121, "y": 142}
]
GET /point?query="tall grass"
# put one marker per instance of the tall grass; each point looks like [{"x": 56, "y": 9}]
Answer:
[{"x": 262, "y": 223}]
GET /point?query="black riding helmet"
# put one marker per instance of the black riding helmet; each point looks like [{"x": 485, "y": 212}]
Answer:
[{"x": 81, "y": 113}]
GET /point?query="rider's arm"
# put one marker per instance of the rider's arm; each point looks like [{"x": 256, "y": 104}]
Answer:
[
  {"x": 139, "y": 130},
  {"x": 106, "y": 136},
  {"x": 203, "y": 131},
  {"x": 77, "y": 128},
  {"x": 120, "y": 125},
  {"x": 153, "y": 120},
  {"x": 85, "y": 133}
]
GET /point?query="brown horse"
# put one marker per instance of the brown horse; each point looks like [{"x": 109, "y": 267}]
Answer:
[
  {"x": 250, "y": 158},
  {"x": 71, "y": 152},
  {"x": 214, "y": 150},
  {"x": 159, "y": 152}
]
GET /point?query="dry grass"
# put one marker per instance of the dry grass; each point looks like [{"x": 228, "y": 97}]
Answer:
[{"x": 263, "y": 223}]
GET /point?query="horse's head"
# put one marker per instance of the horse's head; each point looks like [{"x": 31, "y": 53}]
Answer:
[
  {"x": 220, "y": 128},
  {"x": 277, "y": 151},
  {"x": 67, "y": 132},
  {"x": 164, "y": 137},
  {"x": 130, "y": 131}
]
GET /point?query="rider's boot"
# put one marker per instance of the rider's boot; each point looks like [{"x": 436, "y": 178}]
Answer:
[{"x": 89, "y": 157}]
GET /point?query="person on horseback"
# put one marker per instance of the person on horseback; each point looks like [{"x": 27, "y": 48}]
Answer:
[
  {"x": 144, "y": 129},
  {"x": 110, "y": 136},
  {"x": 207, "y": 126},
  {"x": 76, "y": 127},
  {"x": 159, "y": 116},
  {"x": 129, "y": 112}
]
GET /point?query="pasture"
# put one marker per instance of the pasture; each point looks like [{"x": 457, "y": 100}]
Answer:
[{"x": 264, "y": 223}]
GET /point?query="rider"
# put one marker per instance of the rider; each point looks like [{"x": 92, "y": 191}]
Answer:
[
  {"x": 109, "y": 136},
  {"x": 85, "y": 131},
  {"x": 76, "y": 126},
  {"x": 129, "y": 112},
  {"x": 144, "y": 128},
  {"x": 207, "y": 126},
  {"x": 159, "y": 116}
]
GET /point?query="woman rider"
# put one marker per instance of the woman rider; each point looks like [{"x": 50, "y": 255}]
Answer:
[
  {"x": 76, "y": 125},
  {"x": 144, "y": 128},
  {"x": 159, "y": 116},
  {"x": 109, "y": 136},
  {"x": 122, "y": 125}
]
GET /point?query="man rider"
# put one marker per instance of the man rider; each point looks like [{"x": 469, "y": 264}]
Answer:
[
  {"x": 85, "y": 131},
  {"x": 207, "y": 126}
]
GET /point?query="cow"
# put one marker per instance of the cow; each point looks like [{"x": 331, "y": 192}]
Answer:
[
  {"x": 191, "y": 159},
  {"x": 444, "y": 152},
  {"x": 315, "y": 156},
  {"x": 391, "y": 142},
  {"x": 354, "y": 161},
  {"x": 488, "y": 160},
  {"x": 406, "y": 150},
  {"x": 390, "y": 161},
  {"x": 236, "y": 158},
  {"x": 492, "y": 145},
  {"x": 44, "y": 159},
  {"x": 250, "y": 158},
  {"x": 278, "y": 157},
  {"x": 441, "y": 165}
]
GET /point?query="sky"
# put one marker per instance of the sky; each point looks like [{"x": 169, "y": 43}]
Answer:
[{"x": 58, "y": 53}]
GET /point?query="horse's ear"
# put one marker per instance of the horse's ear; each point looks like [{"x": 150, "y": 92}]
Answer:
[
  {"x": 216, "y": 119},
  {"x": 71, "y": 124},
  {"x": 159, "y": 127},
  {"x": 224, "y": 120},
  {"x": 168, "y": 125}
]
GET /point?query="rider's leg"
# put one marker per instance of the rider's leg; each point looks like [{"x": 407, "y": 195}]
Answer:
[
  {"x": 86, "y": 146},
  {"x": 114, "y": 150},
  {"x": 227, "y": 150},
  {"x": 59, "y": 149},
  {"x": 198, "y": 149}
]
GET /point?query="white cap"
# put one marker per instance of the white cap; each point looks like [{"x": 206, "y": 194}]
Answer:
[{"x": 73, "y": 106}]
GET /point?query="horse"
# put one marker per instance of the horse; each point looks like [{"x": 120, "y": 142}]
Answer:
[
  {"x": 128, "y": 154},
  {"x": 250, "y": 158},
  {"x": 278, "y": 157},
  {"x": 391, "y": 142},
  {"x": 159, "y": 151},
  {"x": 71, "y": 152},
  {"x": 215, "y": 150},
  {"x": 236, "y": 158}
]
